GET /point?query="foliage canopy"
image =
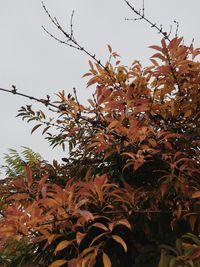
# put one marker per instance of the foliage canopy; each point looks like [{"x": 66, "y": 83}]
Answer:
[{"x": 128, "y": 193}]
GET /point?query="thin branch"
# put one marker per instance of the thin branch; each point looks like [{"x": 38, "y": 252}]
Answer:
[
  {"x": 62, "y": 108},
  {"x": 57, "y": 39},
  {"x": 142, "y": 17},
  {"x": 71, "y": 25},
  {"x": 14, "y": 91},
  {"x": 52, "y": 124},
  {"x": 70, "y": 37},
  {"x": 170, "y": 31},
  {"x": 177, "y": 27},
  {"x": 76, "y": 98}
]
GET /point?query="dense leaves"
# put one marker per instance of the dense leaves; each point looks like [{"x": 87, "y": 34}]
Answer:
[{"x": 129, "y": 189}]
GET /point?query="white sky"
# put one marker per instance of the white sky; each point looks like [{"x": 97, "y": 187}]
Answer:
[{"x": 38, "y": 65}]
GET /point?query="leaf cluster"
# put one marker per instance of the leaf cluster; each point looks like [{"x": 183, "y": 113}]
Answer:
[{"x": 128, "y": 192}]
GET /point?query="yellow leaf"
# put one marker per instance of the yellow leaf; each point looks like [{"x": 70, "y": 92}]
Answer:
[
  {"x": 196, "y": 194},
  {"x": 62, "y": 245},
  {"x": 120, "y": 241},
  {"x": 106, "y": 260},
  {"x": 58, "y": 263}
]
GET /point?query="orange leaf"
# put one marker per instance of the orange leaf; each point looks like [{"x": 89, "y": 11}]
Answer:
[
  {"x": 93, "y": 81},
  {"x": 62, "y": 245},
  {"x": 106, "y": 260},
  {"x": 88, "y": 250},
  {"x": 160, "y": 56},
  {"x": 156, "y": 47},
  {"x": 18, "y": 196},
  {"x": 58, "y": 263},
  {"x": 196, "y": 194}
]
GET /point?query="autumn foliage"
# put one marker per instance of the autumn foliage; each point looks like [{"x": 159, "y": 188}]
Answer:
[{"x": 128, "y": 193}]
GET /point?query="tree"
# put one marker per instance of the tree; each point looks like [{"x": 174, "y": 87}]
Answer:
[{"x": 128, "y": 194}]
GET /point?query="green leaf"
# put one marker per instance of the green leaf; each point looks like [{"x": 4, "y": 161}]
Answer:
[{"x": 36, "y": 127}]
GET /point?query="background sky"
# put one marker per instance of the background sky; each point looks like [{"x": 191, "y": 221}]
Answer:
[{"x": 38, "y": 65}]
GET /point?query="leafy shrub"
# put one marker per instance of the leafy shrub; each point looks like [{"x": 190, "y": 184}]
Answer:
[{"x": 129, "y": 189}]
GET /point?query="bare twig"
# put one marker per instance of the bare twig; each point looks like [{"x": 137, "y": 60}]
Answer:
[
  {"x": 77, "y": 101},
  {"x": 45, "y": 102},
  {"x": 71, "y": 25},
  {"x": 70, "y": 37},
  {"x": 141, "y": 16},
  {"x": 177, "y": 27},
  {"x": 57, "y": 39}
]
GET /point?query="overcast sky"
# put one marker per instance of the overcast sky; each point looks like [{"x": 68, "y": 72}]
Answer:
[{"x": 38, "y": 65}]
